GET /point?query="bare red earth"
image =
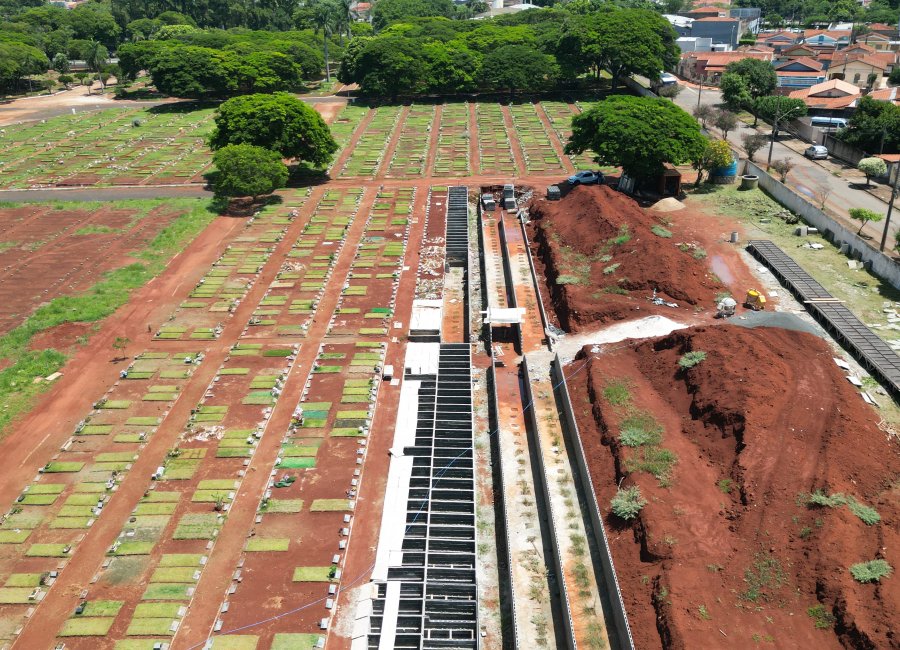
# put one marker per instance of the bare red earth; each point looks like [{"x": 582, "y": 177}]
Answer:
[
  {"x": 766, "y": 418},
  {"x": 599, "y": 242}
]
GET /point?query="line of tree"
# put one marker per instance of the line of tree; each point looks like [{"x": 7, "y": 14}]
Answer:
[
  {"x": 529, "y": 51},
  {"x": 811, "y": 13}
]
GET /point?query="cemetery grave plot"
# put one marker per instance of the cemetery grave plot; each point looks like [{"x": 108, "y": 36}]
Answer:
[
  {"x": 53, "y": 513},
  {"x": 343, "y": 128},
  {"x": 154, "y": 566},
  {"x": 366, "y": 304},
  {"x": 290, "y": 302},
  {"x": 494, "y": 149},
  {"x": 366, "y": 155},
  {"x": 112, "y": 147},
  {"x": 296, "y": 550},
  {"x": 540, "y": 157},
  {"x": 452, "y": 156},
  {"x": 560, "y": 115},
  {"x": 411, "y": 153},
  {"x": 49, "y": 251},
  {"x": 217, "y": 294}
]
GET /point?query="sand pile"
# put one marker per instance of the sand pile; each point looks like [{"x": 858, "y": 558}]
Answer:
[
  {"x": 731, "y": 550},
  {"x": 602, "y": 255},
  {"x": 668, "y": 204}
]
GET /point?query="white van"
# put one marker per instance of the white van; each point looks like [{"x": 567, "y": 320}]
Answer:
[{"x": 829, "y": 122}]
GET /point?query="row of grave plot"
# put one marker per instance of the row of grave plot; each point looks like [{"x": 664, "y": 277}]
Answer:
[
  {"x": 534, "y": 139},
  {"x": 560, "y": 115},
  {"x": 345, "y": 125},
  {"x": 432, "y": 252},
  {"x": 296, "y": 550},
  {"x": 411, "y": 153},
  {"x": 108, "y": 147},
  {"x": 50, "y": 517},
  {"x": 366, "y": 156},
  {"x": 219, "y": 292},
  {"x": 452, "y": 155},
  {"x": 292, "y": 297},
  {"x": 494, "y": 149},
  {"x": 367, "y": 300},
  {"x": 153, "y": 567}
]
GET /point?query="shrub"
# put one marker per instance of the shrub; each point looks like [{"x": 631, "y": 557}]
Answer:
[
  {"x": 609, "y": 270},
  {"x": 872, "y": 571},
  {"x": 653, "y": 460},
  {"x": 627, "y": 503},
  {"x": 659, "y": 231},
  {"x": 691, "y": 359},
  {"x": 869, "y": 516},
  {"x": 819, "y": 498},
  {"x": 616, "y": 392},
  {"x": 640, "y": 429}
]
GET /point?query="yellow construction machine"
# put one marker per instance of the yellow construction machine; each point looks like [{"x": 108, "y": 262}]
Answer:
[{"x": 755, "y": 300}]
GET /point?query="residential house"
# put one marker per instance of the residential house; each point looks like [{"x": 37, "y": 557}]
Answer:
[
  {"x": 798, "y": 51},
  {"x": 823, "y": 39},
  {"x": 704, "y": 12},
  {"x": 878, "y": 42},
  {"x": 778, "y": 41},
  {"x": 886, "y": 95},
  {"x": 884, "y": 30},
  {"x": 830, "y": 98},
  {"x": 863, "y": 71},
  {"x": 802, "y": 72},
  {"x": 709, "y": 66}
]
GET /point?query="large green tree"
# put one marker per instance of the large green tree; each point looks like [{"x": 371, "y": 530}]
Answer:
[
  {"x": 518, "y": 68},
  {"x": 385, "y": 12},
  {"x": 745, "y": 81},
  {"x": 279, "y": 122},
  {"x": 873, "y": 123},
  {"x": 638, "y": 134},
  {"x": 620, "y": 41},
  {"x": 246, "y": 170}
]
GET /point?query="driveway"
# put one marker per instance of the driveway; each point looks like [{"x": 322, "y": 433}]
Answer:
[{"x": 808, "y": 177}]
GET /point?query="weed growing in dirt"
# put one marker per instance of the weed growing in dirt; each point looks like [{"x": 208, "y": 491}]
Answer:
[
  {"x": 714, "y": 568},
  {"x": 659, "y": 231},
  {"x": 869, "y": 516},
  {"x": 805, "y": 532},
  {"x": 640, "y": 428},
  {"x": 822, "y": 618},
  {"x": 655, "y": 461},
  {"x": 703, "y": 613},
  {"x": 691, "y": 359},
  {"x": 624, "y": 235},
  {"x": 619, "y": 291},
  {"x": 617, "y": 392},
  {"x": 627, "y": 503},
  {"x": 763, "y": 577},
  {"x": 568, "y": 279},
  {"x": 871, "y": 571},
  {"x": 96, "y": 229},
  {"x": 609, "y": 270},
  {"x": 819, "y": 498},
  {"x": 725, "y": 485}
]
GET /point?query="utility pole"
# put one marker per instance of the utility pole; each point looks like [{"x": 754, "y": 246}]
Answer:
[
  {"x": 777, "y": 119},
  {"x": 700, "y": 91},
  {"x": 887, "y": 219}
]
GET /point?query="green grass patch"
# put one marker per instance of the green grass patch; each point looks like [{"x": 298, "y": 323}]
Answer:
[
  {"x": 149, "y": 626},
  {"x": 23, "y": 580},
  {"x": 174, "y": 574},
  {"x": 273, "y": 506},
  {"x": 653, "y": 460},
  {"x": 640, "y": 428},
  {"x": 297, "y": 463},
  {"x": 165, "y": 591},
  {"x": 102, "y": 608},
  {"x": 235, "y": 642},
  {"x": 86, "y": 627},
  {"x": 763, "y": 578},
  {"x": 134, "y": 548},
  {"x": 294, "y": 641},
  {"x": 62, "y": 467},
  {"x": 157, "y": 610},
  {"x": 47, "y": 550},
  {"x": 181, "y": 559},
  {"x": 16, "y": 595},
  {"x": 197, "y": 526},
  {"x": 13, "y": 536},
  {"x": 257, "y": 544},
  {"x": 691, "y": 359},
  {"x": 313, "y": 573},
  {"x": 46, "y": 488},
  {"x": 659, "y": 231},
  {"x": 822, "y": 618},
  {"x": 329, "y": 505}
]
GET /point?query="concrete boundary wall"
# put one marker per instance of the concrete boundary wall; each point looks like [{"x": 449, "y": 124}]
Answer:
[
  {"x": 537, "y": 284},
  {"x": 508, "y": 280},
  {"x": 510, "y": 591},
  {"x": 610, "y": 580},
  {"x": 842, "y": 237},
  {"x": 545, "y": 496}
]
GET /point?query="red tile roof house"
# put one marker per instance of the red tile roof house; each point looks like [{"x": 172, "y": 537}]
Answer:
[
  {"x": 832, "y": 97},
  {"x": 709, "y": 66}
]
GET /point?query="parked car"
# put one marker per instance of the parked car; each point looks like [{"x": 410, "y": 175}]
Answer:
[
  {"x": 585, "y": 178},
  {"x": 667, "y": 79},
  {"x": 816, "y": 152}
]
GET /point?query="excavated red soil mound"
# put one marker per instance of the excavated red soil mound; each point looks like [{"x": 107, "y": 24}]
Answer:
[
  {"x": 766, "y": 419},
  {"x": 601, "y": 261}
]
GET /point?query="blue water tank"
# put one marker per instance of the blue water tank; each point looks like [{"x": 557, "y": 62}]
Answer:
[{"x": 726, "y": 174}]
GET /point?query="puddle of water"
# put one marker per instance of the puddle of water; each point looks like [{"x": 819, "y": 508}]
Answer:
[{"x": 720, "y": 268}]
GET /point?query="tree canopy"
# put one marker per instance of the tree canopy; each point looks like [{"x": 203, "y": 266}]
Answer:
[
  {"x": 385, "y": 12},
  {"x": 872, "y": 122},
  {"x": 245, "y": 170},
  {"x": 279, "y": 122},
  {"x": 638, "y": 134}
]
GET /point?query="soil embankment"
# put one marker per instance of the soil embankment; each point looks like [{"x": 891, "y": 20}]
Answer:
[
  {"x": 729, "y": 552},
  {"x": 601, "y": 256}
]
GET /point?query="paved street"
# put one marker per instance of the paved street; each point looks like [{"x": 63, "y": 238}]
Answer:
[{"x": 808, "y": 176}]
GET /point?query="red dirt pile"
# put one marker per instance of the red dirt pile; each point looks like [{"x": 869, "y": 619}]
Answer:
[
  {"x": 601, "y": 259},
  {"x": 731, "y": 553}
]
